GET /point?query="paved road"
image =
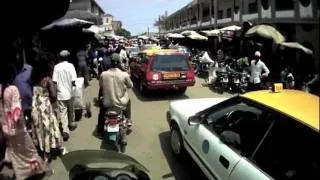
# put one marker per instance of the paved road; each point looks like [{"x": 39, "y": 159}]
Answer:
[{"x": 149, "y": 141}]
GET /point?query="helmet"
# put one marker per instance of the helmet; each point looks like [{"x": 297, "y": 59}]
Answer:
[{"x": 115, "y": 58}]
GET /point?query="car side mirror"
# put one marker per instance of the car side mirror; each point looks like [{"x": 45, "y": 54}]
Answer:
[{"x": 194, "y": 120}]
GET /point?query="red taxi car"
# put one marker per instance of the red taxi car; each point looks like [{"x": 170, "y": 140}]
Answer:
[{"x": 162, "y": 69}]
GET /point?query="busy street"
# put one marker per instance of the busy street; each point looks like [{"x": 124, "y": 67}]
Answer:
[
  {"x": 160, "y": 90},
  {"x": 149, "y": 141}
]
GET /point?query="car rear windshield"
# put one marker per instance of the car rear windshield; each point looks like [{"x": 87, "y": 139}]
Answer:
[{"x": 169, "y": 63}]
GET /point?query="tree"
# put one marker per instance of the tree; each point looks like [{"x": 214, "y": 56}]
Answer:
[{"x": 123, "y": 32}]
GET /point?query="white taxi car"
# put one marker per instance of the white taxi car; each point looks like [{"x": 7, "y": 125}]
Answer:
[{"x": 256, "y": 136}]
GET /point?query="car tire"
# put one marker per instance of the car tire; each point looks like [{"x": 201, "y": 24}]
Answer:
[
  {"x": 176, "y": 141},
  {"x": 182, "y": 90}
]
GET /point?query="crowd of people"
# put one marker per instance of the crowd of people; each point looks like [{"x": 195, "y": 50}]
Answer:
[
  {"x": 37, "y": 103},
  {"x": 259, "y": 73}
]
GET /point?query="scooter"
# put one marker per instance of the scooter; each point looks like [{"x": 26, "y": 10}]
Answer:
[{"x": 116, "y": 128}]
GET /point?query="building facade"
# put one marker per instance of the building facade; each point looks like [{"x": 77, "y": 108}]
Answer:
[
  {"x": 107, "y": 20},
  {"x": 87, "y": 5},
  {"x": 298, "y": 20}
]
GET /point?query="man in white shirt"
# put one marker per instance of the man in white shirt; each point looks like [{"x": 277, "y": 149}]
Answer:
[
  {"x": 124, "y": 57},
  {"x": 257, "y": 67},
  {"x": 212, "y": 75},
  {"x": 64, "y": 75}
]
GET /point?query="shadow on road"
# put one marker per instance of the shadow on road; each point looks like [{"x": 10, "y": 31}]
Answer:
[
  {"x": 159, "y": 95},
  {"x": 181, "y": 169}
]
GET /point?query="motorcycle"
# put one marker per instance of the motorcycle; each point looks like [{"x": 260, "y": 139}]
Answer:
[
  {"x": 200, "y": 67},
  {"x": 239, "y": 82},
  {"x": 222, "y": 82},
  {"x": 101, "y": 164},
  {"x": 116, "y": 128}
]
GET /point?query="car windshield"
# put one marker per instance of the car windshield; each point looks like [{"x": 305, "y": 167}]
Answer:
[{"x": 169, "y": 63}]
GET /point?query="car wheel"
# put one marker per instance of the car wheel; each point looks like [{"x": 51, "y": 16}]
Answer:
[
  {"x": 176, "y": 141},
  {"x": 182, "y": 90}
]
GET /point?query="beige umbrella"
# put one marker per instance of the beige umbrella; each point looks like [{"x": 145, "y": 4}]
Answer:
[
  {"x": 296, "y": 45},
  {"x": 231, "y": 28},
  {"x": 176, "y": 35},
  {"x": 214, "y": 32},
  {"x": 188, "y": 33},
  {"x": 196, "y": 36},
  {"x": 267, "y": 32}
]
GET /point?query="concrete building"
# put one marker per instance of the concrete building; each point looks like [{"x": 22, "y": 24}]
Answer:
[
  {"x": 298, "y": 20},
  {"x": 107, "y": 20},
  {"x": 87, "y": 5}
]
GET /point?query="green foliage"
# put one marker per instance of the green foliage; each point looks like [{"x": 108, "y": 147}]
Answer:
[{"x": 123, "y": 32}]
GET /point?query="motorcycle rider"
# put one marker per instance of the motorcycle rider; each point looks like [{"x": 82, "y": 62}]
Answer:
[
  {"x": 212, "y": 76},
  {"x": 114, "y": 85},
  {"x": 257, "y": 67}
]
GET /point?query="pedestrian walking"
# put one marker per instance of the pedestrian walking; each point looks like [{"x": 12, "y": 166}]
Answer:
[
  {"x": 287, "y": 78},
  {"x": 47, "y": 134},
  {"x": 258, "y": 71},
  {"x": 83, "y": 70},
  {"x": 24, "y": 84},
  {"x": 64, "y": 75},
  {"x": 20, "y": 150}
]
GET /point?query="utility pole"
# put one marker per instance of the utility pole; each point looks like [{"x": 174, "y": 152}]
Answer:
[
  {"x": 148, "y": 32},
  {"x": 159, "y": 25}
]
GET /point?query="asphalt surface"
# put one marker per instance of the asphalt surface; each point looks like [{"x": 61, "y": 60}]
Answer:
[{"x": 149, "y": 141}]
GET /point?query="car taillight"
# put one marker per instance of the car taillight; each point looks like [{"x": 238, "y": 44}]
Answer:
[
  {"x": 190, "y": 75},
  {"x": 151, "y": 76}
]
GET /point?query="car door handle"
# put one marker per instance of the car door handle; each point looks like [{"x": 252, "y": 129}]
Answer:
[{"x": 224, "y": 162}]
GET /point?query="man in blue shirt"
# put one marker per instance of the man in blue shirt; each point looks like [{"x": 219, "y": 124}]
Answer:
[{"x": 24, "y": 85}]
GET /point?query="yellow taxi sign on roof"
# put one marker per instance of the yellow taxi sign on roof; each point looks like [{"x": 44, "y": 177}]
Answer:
[
  {"x": 299, "y": 105},
  {"x": 150, "y": 52},
  {"x": 277, "y": 87}
]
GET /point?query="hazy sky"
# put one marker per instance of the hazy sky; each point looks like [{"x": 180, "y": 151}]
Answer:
[{"x": 138, "y": 15}]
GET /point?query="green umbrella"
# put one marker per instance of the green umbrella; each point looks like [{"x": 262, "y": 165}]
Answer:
[
  {"x": 295, "y": 45},
  {"x": 267, "y": 32}
]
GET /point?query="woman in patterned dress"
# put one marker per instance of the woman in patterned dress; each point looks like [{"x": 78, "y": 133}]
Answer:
[
  {"x": 20, "y": 150},
  {"x": 45, "y": 123},
  {"x": 46, "y": 130}
]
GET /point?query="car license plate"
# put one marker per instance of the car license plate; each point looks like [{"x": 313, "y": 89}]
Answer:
[
  {"x": 113, "y": 128},
  {"x": 225, "y": 79},
  {"x": 171, "y": 75},
  {"x": 236, "y": 81}
]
